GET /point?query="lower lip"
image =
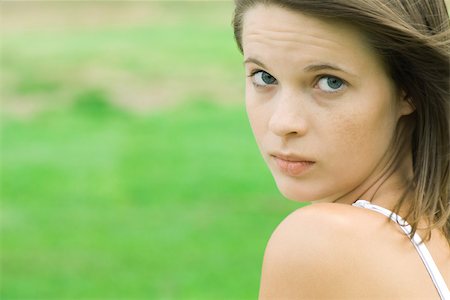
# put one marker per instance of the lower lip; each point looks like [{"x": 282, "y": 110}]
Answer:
[{"x": 293, "y": 168}]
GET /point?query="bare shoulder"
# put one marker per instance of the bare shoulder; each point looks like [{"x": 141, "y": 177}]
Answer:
[
  {"x": 322, "y": 249},
  {"x": 307, "y": 248},
  {"x": 320, "y": 225}
]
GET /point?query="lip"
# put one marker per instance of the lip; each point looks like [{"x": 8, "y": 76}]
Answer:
[{"x": 292, "y": 164}]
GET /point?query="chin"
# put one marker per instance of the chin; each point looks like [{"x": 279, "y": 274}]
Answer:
[
  {"x": 302, "y": 190},
  {"x": 297, "y": 192}
]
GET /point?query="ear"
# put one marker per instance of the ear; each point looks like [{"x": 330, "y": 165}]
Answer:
[{"x": 406, "y": 106}]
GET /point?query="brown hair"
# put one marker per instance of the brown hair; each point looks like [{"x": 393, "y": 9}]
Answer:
[{"x": 412, "y": 38}]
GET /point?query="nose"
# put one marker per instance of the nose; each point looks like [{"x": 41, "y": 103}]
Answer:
[{"x": 288, "y": 117}]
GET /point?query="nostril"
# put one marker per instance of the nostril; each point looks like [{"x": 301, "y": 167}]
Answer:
[
  {"x": 287, "y": 126},
  {"x": 288, "y": 115}
]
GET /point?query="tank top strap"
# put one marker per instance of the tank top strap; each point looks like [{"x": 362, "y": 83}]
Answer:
[{"x": 424, "y": 254}]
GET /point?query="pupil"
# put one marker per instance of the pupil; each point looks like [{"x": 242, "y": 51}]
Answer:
[
  {"x": 334, "y": 83},
  {"x": 267, "y": 78}
]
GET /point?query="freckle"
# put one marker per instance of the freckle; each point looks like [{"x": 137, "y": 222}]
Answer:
[{"x": 348, "y": 129}]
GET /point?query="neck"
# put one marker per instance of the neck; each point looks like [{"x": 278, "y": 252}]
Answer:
[{"x": 387, "y": 184}]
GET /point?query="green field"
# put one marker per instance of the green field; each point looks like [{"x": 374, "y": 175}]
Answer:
[{"x": 128, "y": 168}]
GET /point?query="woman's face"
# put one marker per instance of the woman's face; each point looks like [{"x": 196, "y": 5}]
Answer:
[{"x": 321, "y": 106}]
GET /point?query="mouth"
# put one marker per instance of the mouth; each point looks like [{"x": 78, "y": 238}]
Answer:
[{"x": 292, "y": 165}]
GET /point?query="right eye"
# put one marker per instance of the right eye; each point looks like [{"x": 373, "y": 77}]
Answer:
[{"x": 262, "y": 78}]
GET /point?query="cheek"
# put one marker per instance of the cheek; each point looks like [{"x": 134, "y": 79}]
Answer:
[
  {"x": 258, "y": 126},
  {"x": 257, "y": 115},
  {"x": 347, "y": 130},
  {"x": 358, "y": 140}
]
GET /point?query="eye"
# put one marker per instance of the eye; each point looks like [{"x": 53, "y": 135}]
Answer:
[
  {"x": 261, "y": 78},
  {"x": 330, "y": 84}
]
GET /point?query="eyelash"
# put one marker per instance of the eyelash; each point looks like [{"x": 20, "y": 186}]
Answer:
[
  {"x": 316, "y": 80},
  {"x": 320, "y": 77},
  {"x": 253, "y": 73}
]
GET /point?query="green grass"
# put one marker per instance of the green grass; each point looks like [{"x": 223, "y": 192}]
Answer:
[
  {"x": 50, "y": 60},
  {"x": 98, "y": 202}
]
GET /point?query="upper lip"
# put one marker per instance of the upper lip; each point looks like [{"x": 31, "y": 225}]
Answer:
[{"x": 291, "y": 157}]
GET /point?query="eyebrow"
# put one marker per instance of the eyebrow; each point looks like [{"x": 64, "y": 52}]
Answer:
[
  {"x": 255, "y": 61},
  {"x": 311, "y": 68},
  {"x": 322, "y": 66}
]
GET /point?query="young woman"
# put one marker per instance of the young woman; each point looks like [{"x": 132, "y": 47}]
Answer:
[{"x": 349, "y": 104}]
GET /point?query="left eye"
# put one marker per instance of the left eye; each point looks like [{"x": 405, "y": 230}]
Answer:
[
  {"x": 262, "y": 78},
  {"x": 330, "y": 84}
]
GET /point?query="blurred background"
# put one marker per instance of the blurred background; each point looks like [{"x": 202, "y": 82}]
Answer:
[{"x": 128, "y": 167}]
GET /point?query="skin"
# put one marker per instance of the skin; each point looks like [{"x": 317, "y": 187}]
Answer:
[{"x": 348, "y": 133}]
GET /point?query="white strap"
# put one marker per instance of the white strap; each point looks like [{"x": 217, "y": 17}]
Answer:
[{"x": 425, "y": 255}]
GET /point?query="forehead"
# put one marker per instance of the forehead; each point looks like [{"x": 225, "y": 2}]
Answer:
[{"x": 272, "y": 32}]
